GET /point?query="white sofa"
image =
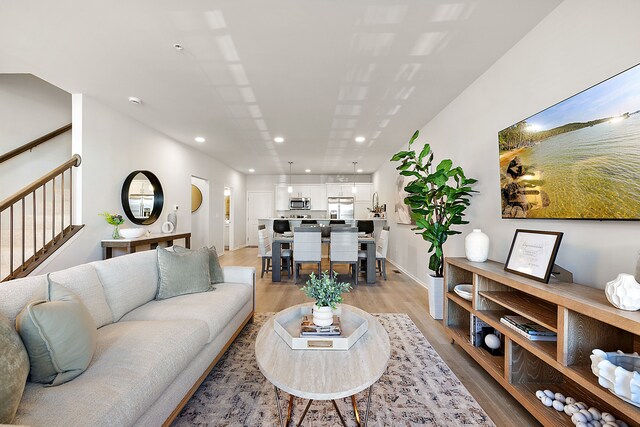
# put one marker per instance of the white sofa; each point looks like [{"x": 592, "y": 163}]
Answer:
[{"x": 151, "y": 355}]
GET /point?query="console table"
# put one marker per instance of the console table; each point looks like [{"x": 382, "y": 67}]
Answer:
[
  {"x": 152, "y": 240},
  {"x": 581, "y": 316}
]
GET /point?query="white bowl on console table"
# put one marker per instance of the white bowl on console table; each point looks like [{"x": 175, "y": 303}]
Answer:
[{"x": 132, "y": 233}]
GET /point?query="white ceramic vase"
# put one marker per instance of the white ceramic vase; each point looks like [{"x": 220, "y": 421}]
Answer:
[
  {"x": 172, "y": 217},
  {"x": 624, "y": 292},
  {"x": 435, "y": 287},
  {"x": 322, "y": 316},
  {"x": 476, "y": 246}
]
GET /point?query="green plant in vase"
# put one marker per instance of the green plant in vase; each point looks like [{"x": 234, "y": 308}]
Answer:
[
  {"x": 114, "y": 219},
  {"x": 327, "y": 292},
  {"x": 438, "y": 198}
]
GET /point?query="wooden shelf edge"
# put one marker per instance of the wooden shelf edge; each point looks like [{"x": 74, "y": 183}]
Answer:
[
  {"x": 551, "y": 324},
  {"x": 466, "y": 304},
  {"x": 487, "y": 361}
]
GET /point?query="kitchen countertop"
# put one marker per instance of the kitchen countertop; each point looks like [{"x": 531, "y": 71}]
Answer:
[{"x": 323, "y": 219}]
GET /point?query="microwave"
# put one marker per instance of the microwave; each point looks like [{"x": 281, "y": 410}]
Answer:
[{"x": 299, "y": 203}]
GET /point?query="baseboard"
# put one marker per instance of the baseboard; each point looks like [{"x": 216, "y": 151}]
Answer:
[{"x": 423, "y": 284}]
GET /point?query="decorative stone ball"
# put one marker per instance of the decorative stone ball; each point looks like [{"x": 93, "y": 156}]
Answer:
[
  {"x": 476, "y": 246},
  {"x": 624, "y": 292},
  {"x": 558, "y": 406},
  {"x": 492, "y": 341}
]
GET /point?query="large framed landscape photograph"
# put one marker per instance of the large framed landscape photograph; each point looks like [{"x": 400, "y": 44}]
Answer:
[{"x": 579, "y": 159}]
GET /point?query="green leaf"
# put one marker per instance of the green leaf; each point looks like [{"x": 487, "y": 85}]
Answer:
[
  {"x": 444, "y": 165},
  {"x": 414, "y": 137},
  {"x": 425, "y": 150}
]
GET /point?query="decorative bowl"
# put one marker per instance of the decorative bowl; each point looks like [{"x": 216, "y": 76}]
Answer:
[
  {"x": 464, "y": 290},
  {"x": 619, "y": 372},
  {"x": 132, "y": 233}
]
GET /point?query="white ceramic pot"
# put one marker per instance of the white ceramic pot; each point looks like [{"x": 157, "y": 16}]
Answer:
[
  {"x": 322, "y": 316},
  {"x": 435, "y": 287},
  {"x": 624, "y": 292},
  {"x": 476, "y": 246}
]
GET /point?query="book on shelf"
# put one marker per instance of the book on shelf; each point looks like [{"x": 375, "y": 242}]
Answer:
[
  {"x": 475, "y": 332},
  {"x": 308, "y": 328},
  {"x": 528, "y": 328}
]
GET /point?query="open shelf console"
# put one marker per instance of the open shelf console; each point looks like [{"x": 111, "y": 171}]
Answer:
[{"x": 580, "y": 315}]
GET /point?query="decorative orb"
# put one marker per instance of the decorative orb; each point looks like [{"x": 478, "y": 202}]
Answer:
[{"x": 492, "y": 341}]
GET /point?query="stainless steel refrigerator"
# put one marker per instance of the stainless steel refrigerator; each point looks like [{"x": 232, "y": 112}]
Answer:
[{"x": 340, "y": 207}]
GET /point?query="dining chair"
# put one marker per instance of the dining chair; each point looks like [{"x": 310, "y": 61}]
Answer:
[
  {"x": 307, "y": 248},
  {"x": 336, "y": 221},
  {"x": 281, "y": 226},
  {"x": 344, "y": 249},
  {"x": 365, "y": 226},
  {"x": 381, "y": 252},
  {"x": 309, "y": 221},
  {"x": 264, "y": 251}
]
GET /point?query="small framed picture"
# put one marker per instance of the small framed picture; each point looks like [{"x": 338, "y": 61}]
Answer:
[{"x": 533, "y": 253}]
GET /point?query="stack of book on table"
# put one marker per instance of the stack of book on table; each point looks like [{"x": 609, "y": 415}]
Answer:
[
  {"x": 308, "y": 328},
  {"x": 529, "y": 329}
]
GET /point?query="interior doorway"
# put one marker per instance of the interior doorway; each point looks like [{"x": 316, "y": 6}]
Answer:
[
  {"x": 259, "y": 206},
  {"x": 200, "y": 230},
  {"x": 228, "y": 233}
]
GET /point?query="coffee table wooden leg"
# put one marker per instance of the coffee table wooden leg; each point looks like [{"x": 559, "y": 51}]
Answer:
[
  {"x": 304, "y": 414},
  {"x": 289, "y": 410},
  {"x": 335, "y": 405},
  {"x": 278, "y": 404}
]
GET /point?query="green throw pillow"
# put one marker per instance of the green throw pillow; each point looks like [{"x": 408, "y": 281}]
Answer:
[
  {"x": 14, "y": 369},
  {"x": 182, "y": 273},
  {"x": 59, "y": 334},
  {"x": 215, "y": 271}
]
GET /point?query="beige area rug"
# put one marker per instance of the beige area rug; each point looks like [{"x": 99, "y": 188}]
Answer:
[{"x": 418, "y": 388}]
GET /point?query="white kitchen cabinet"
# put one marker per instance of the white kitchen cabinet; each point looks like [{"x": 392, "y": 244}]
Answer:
[
  {"x": 360, "y": 210},
  {"x": 282, "y": 198},
  {"x": 363, "y": 193},
  {"x": 339, "y": 190},
  {"x": 318, "y": 195}
]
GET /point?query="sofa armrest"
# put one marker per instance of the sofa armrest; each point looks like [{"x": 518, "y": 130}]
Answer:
[{"x": 241, "y": 275}]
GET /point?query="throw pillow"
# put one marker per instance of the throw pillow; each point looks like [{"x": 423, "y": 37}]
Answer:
[
  {"x": 215, "y": 271},
  {"x": 182, "y": 273},
  {"x": 59, "y": 334},
  {"x": 14, "y": 369}
]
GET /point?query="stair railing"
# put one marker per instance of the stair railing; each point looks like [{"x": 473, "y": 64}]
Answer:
[
  {"x": 31, "y": 230},
  {"x": 31, "y": 145}
]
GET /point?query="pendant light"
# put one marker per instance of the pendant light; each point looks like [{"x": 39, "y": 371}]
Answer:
[
  {"x": 290, "y": 188},
  {"x": 354, "y": 190}
]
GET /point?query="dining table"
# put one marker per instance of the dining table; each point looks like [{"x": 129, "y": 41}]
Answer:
[{"x": 279, "y": 240}]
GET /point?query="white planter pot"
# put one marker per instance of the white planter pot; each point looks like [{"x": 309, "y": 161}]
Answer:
[
  {"x": 435, "y": 287},
  {"x": 476, "y": 246},
  {"x": 322, "y": 316}
]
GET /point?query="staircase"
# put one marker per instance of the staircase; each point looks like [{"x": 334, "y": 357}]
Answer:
[{"x": 38, "y": 219}]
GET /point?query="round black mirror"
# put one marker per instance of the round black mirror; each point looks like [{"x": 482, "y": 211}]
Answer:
[{"x": 142, "y": 197}]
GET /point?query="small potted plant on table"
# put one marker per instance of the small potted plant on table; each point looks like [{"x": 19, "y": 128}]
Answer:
[{"x": 328, "y": 294}]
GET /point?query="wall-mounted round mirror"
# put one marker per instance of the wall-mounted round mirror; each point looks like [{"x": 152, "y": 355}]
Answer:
[{"x": 142, "y": 197}]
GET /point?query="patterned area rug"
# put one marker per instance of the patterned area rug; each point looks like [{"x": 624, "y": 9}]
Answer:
[{"x": 418, "y": 388}]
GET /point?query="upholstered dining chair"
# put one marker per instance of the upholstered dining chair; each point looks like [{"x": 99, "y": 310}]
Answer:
[
  {"x": 307, "y": 248},
  {"x": 365, "y": 226},
  {"x": 381, "y": 252},
  {"x": 264, "y": 251},
  {"x": 344, "y": 249}
]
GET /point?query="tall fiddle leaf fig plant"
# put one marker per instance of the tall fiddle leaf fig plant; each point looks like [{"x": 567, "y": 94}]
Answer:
[{"x": 437, "y": 198}]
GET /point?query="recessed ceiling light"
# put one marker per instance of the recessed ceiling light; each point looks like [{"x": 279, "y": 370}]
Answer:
[
  {"x": 360, "y": 138},
  {"x": 252, "y": 170},
  {"x": 278, "y": 139},
  {"x": 199, "y": 139},
  {"x": 307, "y": 170},
  {"x": 178, "y": 46},
  {"x": 134, "y": 100},
  {"x": 359, "y": 170}
]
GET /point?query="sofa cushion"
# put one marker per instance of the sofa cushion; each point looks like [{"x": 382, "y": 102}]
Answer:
[
  {"x": 215, "y": 271},
  {"x": 83, "y": 281},
  {"x": 133, "y": 364},
  {"x": 14, "y": 369},
  {"x": 128, "y": 281},
  {"x": 59, "y": 335},
  {"x": 182, "y": 273},
  {"x": 216, "y": 308},
  {"x": 16, "y": 294}
]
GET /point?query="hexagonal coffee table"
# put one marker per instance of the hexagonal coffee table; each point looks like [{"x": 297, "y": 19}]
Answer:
[{"x": 324, "y": 374}]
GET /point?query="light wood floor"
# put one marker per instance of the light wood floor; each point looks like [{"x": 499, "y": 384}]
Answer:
[{"x": 398, "y": 294}]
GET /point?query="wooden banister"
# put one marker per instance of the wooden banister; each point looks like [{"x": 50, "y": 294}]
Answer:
[
  {"x": 29, "y": 145},
  {"x": 31, "y": 252},
  {"x": 73, "y": 161}
]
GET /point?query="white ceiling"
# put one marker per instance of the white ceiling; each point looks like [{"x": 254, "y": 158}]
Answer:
[{"x": 317, "y": 72}]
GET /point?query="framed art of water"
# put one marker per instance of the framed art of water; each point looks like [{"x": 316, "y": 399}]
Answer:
[
  {"x": 578, "y": 159},
  {"x": 533, "y": 254}
]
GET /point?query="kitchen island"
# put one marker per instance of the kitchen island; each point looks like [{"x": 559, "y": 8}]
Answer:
[{"x": 378, "y": 223}]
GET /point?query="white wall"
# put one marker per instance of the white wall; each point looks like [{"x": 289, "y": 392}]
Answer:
[
  {"x": 29, "y": 109},
  {"x": 581, "y": 43},
  {"x": 200, "y": 219},
  {"x": 267, "y": 182},
  {"x": 115, "y": 145}
]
